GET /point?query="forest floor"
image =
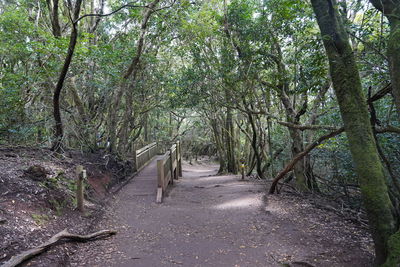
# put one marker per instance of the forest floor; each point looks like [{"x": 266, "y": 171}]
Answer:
[
  {"x": 37, "y": 198},
  {"x": 211, "y": 220}
]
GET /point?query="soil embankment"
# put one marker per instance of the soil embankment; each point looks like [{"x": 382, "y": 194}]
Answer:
[{"x": 37, "y": 198}]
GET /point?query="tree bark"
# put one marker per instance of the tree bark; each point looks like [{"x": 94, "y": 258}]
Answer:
[
  {"x": 218, "y": 142},
  {"x": 54, "y": 18},
  {"x": 59, "y": 133},
  {"x": 391, "y": 9},
  {"x": 299, "y": 167},
  {"x": 254, "y": 145},
  {"x": 347, "y": 85},
  {"x": 230, "y": 142}
]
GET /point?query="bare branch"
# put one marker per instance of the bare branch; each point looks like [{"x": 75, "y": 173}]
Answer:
[
  {"x": 307, "y": 127},
  {"x": 388, "y": 129},
  {"x": 129, "y": 5},
  {"x": 299, "y": 156}
]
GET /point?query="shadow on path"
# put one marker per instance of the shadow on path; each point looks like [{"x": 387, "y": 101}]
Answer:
[{"x": 209, "y": 220}]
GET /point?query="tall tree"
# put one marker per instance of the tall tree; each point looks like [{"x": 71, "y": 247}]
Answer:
[
  {"x": 391, "y": 9},
  {"x": 59, "y": 133},
  {"x": 353, "y": 107},
  {"x": 129, "y": 79},
  {"x": 53, "y": 7}
]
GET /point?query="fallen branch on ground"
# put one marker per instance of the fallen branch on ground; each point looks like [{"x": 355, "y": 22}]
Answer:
[{"x": 18, "y": 259}]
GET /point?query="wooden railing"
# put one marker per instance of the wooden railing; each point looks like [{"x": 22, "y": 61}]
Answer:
[
  {"x": 169, "y": 167},
  {"x": 144, "y": 155}
]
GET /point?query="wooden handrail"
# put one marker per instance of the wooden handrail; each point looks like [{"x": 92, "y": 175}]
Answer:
[
  {"x": 143, "y": 149},
  {"x": 144, "y": 155},
  {"x": 169, "y": 168}
]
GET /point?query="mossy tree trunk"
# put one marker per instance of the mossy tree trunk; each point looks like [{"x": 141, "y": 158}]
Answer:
[
  {"x": 218, "y": 139},
  {"x": 394, "y": 57},
  {"x": 255, "y": 146},
  {"x": 391, "y": 9},
  {"x": 230, "y": 142},
  {"x": 354, "y": 112},
  {"x": 299, "y": 168}
]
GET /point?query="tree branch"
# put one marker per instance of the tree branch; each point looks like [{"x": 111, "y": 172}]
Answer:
[
  {"x": 381, "y": 93},
  {"x": 307, "y": 127},
  {"x": 299, "y": 156},
  {"x": 130, "y": 5},
  {"x": 388, "y": 129}
]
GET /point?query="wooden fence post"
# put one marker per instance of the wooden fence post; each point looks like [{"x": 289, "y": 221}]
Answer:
[
  {"x": 81, "y": 175},
  {"x": 160, "y": 172},
  {"x": 180, "y": 160},
  {"x": 135, "y": 158},
  {"x": 171, "y": 166},
  {"x": 177, "y": 159}
]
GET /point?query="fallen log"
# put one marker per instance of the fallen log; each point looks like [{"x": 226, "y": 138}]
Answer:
[{"x": 20, "y": 258}]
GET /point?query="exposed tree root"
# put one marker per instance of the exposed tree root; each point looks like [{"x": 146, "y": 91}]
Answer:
[{"x": 18, "y": 259}]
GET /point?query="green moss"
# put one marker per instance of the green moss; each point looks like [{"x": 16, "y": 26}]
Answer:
[
  {"x": 40, "y": 219},
  {"x": 353, "y": 107},
  {"x": 393, "y": 259},
  {"x": 59, "y": 206}
]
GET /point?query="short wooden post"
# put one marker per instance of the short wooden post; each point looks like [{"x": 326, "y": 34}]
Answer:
[
  {"x": 180, "y": 160},
  {"x": 135, "y": 159},
  {"x": 171, "y": 166},
  {"x": 177, "y": 160},
  {"x": 160, "y": 175},
  {"x": 81, "y": 175},
  {"x": 242, "y": 166},
  {"x": 159, "y": 195}
]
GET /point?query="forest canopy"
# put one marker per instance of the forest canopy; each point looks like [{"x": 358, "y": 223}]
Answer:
[{"x": 303, "y": 93}]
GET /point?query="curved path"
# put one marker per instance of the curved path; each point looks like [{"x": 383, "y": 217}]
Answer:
[{"x": 209, "y": 220}]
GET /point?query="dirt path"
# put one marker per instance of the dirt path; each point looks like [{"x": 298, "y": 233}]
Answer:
[{"x": 210, "y": 220}]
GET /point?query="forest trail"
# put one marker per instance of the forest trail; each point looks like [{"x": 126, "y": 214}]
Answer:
[{"x": 210, "y": 220}]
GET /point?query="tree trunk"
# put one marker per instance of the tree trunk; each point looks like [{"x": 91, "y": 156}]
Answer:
[
  {"x": 393, "y": 54},
  {"x": 354, "y": 112},
  {"x": 254, "y": 145},
  {"x": 230, "y": 142},
  {"x": 128, "y": 79},
  {"x": 391, "y": 9},
  {"x": 54, "y": 18},
  {"x": 146, "y": 128},
  {"x": 293, "y": 117},
  {"x": 218, "y": 143},
  {"x": 299, "y": 170},
  {"x": 59, "y": 133}
]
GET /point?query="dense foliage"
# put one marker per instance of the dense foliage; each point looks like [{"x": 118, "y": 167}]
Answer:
[{"x": 247, "y": 81}]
